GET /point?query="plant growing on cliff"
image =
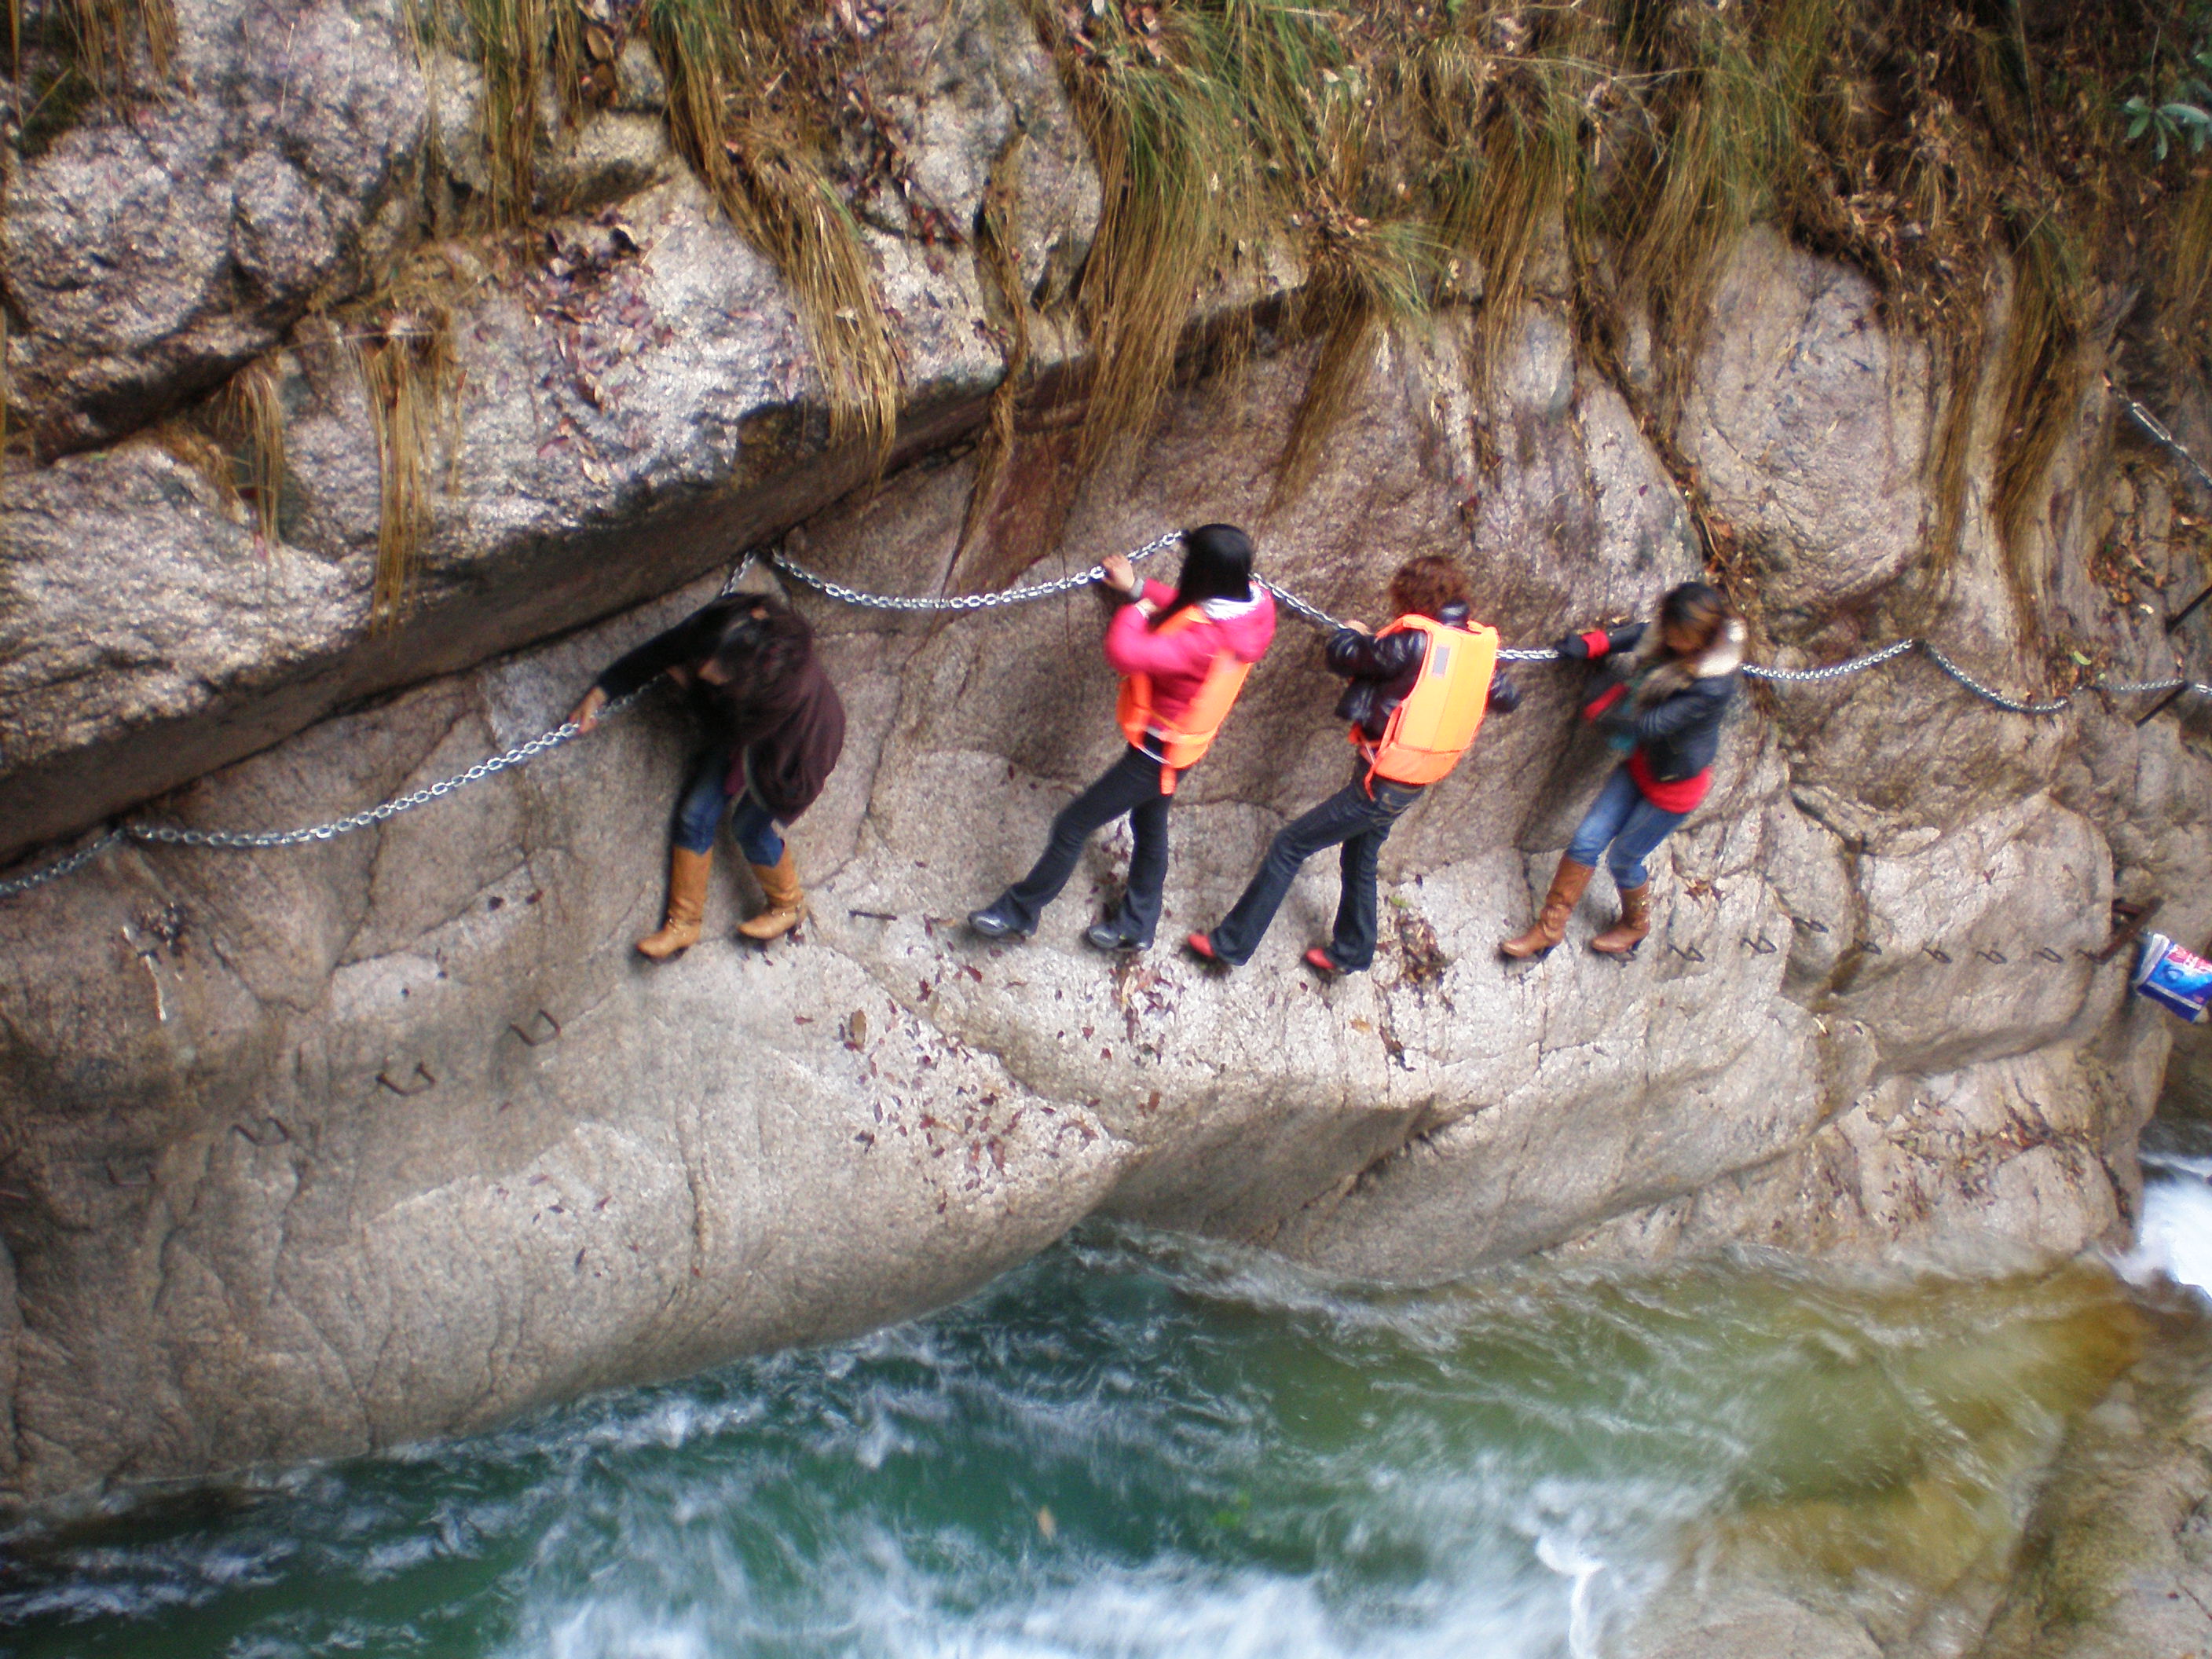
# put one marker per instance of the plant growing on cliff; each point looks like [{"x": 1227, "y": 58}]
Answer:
[
  {"x": 994, "y": 258},
  {"x": 526, "y": 48},
  {"x": 80, "y": 55},
  {"x": 2174, "y": 104},
  {"x": 737, "y": 71},
  {"x": 1728, "y": 112},
  {"x": 102, "y": 38},
  {"x": 1344, "y": 169},
  {"x": 249, "y": 416},
  {"x": 407, "y": 374},
  {"x": 401, "y": 339},
  {"x": 752, "y": 86},
  {"x": 1202, "y": 118}
]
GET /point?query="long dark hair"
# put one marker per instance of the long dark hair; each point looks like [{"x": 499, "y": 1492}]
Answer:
[
  {"x": 1701, "y": 608},
  {"x": 1216, "y": 564},
  {"x": 761, "y": 649}
]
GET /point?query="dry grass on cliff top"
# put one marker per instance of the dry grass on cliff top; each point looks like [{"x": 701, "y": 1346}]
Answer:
[
  {"x": 79, "y": 55},
  {"x": 1391, "y": 158},
  {"x": 1969, "y": 156},
  {"x": 753, "y": 86}
]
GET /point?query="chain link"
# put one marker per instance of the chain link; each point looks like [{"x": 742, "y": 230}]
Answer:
[
  {"x": 171, "y": 835},
  {"x": 958, "y": 603},
  {"x": 60, "y": 868},
  {"x": 2010, "y": 704},
  {"x": 1834, "y": 671},
  {"x": 1312, "y": 613},
  {"x": 2166, "y": 440}
]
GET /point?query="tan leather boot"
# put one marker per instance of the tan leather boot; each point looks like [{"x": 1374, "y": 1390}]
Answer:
[
  {"x": 1635, "y": 922},
  {"x": 779, "y": 887},
  {"x": 1567, "y": 884},
  {"x": 687, "y": 905}
]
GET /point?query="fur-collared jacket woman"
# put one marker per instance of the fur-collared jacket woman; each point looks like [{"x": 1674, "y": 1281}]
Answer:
[
  {"x": 1665, "y": 689},
  {"x": 773, "y": 727}
]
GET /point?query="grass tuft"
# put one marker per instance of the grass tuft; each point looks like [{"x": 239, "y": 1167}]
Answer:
[
  {"x": 2039, "y": 386},
  {"x": 250, "y": 415},
  {"x": 103, "y": 38},
  {"x": 80, "y": 55},
  {"x": 1532, "y": 176},
  {"x": 994, "y": 243},
  {"x": 1735, "y": 111},
  {"x": 1360, "y": 288},
  {"x": 526, "y": 48},
  {"x": 1204, "y": 119},
  {"x": 731, "y": 66},
  {"x": 402, "y": 343},
  {"x": 2185, "y": 278},
  {"x": 409, "y": 376}
]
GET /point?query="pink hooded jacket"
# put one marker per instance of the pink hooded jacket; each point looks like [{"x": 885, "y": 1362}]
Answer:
[{"x": 1178, "y": 662}]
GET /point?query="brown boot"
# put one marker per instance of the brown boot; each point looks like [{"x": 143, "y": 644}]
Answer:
[
  {"x": 1567, "y": 884},
  {"x": 687, "y": 905},
  {"x": 779, "y": 887},
  {"x": 1635, "y": 922}
]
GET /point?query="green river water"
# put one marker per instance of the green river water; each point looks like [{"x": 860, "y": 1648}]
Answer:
[{"x": 1138, "y": 1446}]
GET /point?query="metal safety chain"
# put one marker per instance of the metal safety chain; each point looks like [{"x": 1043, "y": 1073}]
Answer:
[
  {"x": 957, "y": 602},
  {"x": 2157, "y": 429},
  {"x": 1312, "y": 613},
  {"x": 1834, "y": 671},
  {"x": 2010, "y": 704},
  {"x": 60, "y": 868},
  {"x": 170, "y": 835}
]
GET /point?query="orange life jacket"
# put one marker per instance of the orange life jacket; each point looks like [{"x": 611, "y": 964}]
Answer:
[
  {"x": 1432, "y": 727},
  {"x": 1183, "y": 743}
]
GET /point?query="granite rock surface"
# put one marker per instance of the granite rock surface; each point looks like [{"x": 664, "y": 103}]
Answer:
[{"x": 309, "y": 1151}]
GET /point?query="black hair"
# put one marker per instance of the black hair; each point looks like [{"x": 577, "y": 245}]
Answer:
[
  {"x": 760, "y": 650},
  {"x": 1698, "y": 606},
  {"x": 1216, "y": 564}
]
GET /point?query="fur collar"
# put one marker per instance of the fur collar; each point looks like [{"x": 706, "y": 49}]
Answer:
[{"x": 1658, "y": 677}]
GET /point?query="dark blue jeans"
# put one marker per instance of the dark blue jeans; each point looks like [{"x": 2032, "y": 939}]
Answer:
[
  {"x": 1632, "y": 825},
  {"x": 705, "y": 799},
  {"x": 1131, "y": 784},
  {"x": 1362, "y": 823}
]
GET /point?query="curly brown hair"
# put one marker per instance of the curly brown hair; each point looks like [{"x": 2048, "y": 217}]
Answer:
[{"x": 1425, "y": 584}]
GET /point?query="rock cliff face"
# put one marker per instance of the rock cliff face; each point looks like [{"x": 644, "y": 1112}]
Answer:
[{"x": 312, "y": 1150}]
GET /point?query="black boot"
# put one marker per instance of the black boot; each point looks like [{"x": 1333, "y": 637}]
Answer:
[
  {"x": 997, "y": 921},
  {"x": 1116, "y": 933}
]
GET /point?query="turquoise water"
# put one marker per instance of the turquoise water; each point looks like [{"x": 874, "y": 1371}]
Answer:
[{"x": 1142, "y": 1446}]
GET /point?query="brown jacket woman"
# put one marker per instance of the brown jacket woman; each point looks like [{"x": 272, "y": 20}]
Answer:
[{"x": 773, "y": 727}]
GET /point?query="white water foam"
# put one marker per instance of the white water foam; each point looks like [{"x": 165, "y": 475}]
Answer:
[
  {"x": 2175, "y": 1238},
  {"x": 1171, "y": 1609}
]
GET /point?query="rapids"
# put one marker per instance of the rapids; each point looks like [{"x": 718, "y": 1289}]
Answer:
[{"x": 1143, "y": 1445}]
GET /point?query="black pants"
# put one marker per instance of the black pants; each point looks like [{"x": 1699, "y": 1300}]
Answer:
[
  {"x": 1131, "y": 784},
  {"x": 1362, "y": 822}
]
